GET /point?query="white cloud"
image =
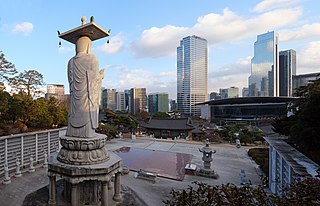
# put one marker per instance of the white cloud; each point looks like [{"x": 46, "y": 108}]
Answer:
[
  {"x": 116, "y": 44},
  {"x": 157, "y": 42},
  {"x": 167, "y": 74},
  {"x": 216, "y": 28},
  {"x": 122, "y": 78},
  {"x": 308, "y": 58},
  {"x": 267, "y": 5},
  {"x": 235, "y": 74},
  {"x": 25, "y": 28},
  {"x": 303, "y": 32}
]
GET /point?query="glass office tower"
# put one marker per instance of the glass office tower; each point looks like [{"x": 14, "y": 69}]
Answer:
[
  {"x": 264, "y": 78},
  {"x": 158, "y": 102},
  {"x": 287, "y": 68},
  {"x": 192, "y": 74}
]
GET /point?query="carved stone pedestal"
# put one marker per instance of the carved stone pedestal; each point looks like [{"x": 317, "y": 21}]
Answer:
[
  {"x": 87, "y": 168},
  {"x": 85, "y": 184}
]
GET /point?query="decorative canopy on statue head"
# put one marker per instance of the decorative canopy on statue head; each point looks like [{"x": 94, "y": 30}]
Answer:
[{"x": 91, "y": 30}]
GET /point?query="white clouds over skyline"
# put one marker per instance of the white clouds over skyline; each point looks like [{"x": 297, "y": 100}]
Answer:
[
  {"x": 25, "y": 28},
  {"x": 216, "y": 28},
  {"x": 308, "y": 58}
]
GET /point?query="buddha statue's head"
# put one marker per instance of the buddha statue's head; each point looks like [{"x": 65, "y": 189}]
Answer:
[{"x": 83, "y": 45}]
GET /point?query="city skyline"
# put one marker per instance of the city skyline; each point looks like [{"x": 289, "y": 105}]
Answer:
[{"x": 28, "y": 34}]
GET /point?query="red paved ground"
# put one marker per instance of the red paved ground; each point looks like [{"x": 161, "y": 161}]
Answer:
[{"x": 165, "y": 164}]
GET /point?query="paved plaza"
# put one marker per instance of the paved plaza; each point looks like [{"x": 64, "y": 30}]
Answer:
[{"x": 228, "y": 161}]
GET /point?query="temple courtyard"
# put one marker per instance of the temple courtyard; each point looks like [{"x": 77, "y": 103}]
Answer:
[{"x": 166, "y": 157}]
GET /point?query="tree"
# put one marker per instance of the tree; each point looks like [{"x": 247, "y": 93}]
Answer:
[
  {"x": 7, "y": 69},
  {"x": 303, "y": 128},
  {"x": 305, "y": 192},
  {"x": 4, "y": 105},
  {"x": 161, "y": 115},
  {"x": 28, "y": 81},
  {"x": 20, "y": 107},
  {"x": 41, "y": 116},
  {"x": 58, "y": 112}
]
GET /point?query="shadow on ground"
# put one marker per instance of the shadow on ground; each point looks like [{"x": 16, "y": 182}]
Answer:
[{"x": 41, "y": 196}]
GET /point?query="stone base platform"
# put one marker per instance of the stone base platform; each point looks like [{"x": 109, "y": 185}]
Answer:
[
  {"x": 85, "y": 184},
  {"x": 207, "y": 173}
]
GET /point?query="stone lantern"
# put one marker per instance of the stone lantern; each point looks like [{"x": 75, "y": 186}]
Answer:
[{"x": 207, "y": 152}]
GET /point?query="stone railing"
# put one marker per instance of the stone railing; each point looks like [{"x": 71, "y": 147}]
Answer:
[{"x": 27, "y": 149}]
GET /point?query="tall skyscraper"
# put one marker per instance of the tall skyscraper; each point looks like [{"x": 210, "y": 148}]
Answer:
[
  {"x": 264, "y": 78},
  {"x": 287, "y": 68},
  {"x": 138, "y": 100},
  {"x": 158, "y": 102},
  {"x": 192, "y": 74}
]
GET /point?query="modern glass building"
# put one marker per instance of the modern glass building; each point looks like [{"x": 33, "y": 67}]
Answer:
[
  {"x": 192, "y": 74},
  {"x": 230, "y": 92},
  {"x": 158, "y": 102},
  {"x": 264, "y": 78},
  {"x": 287, "y": 68}
]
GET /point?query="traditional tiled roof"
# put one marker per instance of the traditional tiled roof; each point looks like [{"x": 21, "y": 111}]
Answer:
[{"x": 169, "y": 124}]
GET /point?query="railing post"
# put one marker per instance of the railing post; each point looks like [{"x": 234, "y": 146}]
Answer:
[
  {"x": 49, "y": 144},
  {"x": 36, "y": 148},
  {"x": 6, "y": 151},
  {"x": 22, "y": 152}
]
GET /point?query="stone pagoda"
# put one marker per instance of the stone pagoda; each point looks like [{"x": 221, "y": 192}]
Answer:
[{"x": 83, "y": 162}]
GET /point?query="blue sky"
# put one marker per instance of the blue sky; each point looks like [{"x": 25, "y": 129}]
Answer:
[{"x": 145, "y": 34}]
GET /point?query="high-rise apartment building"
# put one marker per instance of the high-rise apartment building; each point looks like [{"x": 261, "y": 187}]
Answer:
[
  {"x": 138, "y": 100},
  {"x": 264, "y": 78},
  {"x": 287, "y": 68},
  {"x": 56, "y": 91},
  {"x": 231, "y": 92},
  {"x": 192, "y": 74},
  {"x": 109, "y": 99},
  {"x": 158, "y": 102},
  {"x": 121, "y": 106}
]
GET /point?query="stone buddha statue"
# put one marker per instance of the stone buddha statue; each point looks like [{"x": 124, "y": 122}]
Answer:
[{"x": 85, "y": 90}]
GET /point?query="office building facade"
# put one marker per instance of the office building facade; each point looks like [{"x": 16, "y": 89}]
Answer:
[
  {"x": 109, "y": 99},
  {"x": 138, "y": 100},
  {"x": 231, "y": 92},
  {"x": 303, "y": 80},
  {"x": 264, "y": 78},
  {"x": 287, "y": 68},
  {"x": 121, "y": 106},
  {"x": 192, "y": 74},
  {"x": 56, "y": 91},
  {"x": 158, "y": 102}
]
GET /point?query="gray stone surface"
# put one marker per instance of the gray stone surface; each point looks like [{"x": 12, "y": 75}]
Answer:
[{"x": 227, "y": 162}]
